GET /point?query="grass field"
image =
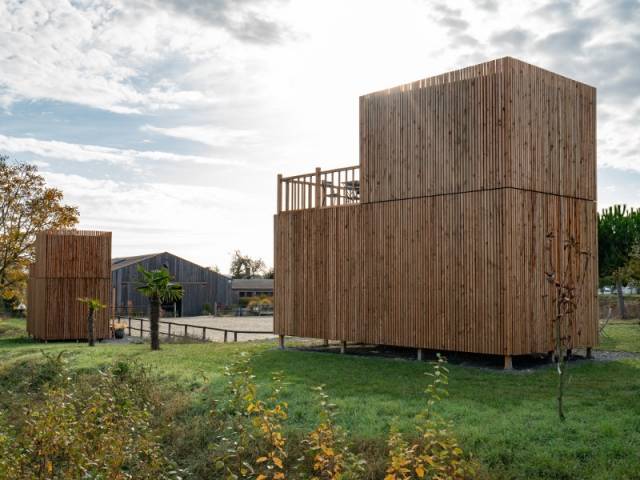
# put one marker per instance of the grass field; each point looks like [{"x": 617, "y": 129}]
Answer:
[
  {"x": 622, "y": 336},
  {"x": 506, "y": 419}
]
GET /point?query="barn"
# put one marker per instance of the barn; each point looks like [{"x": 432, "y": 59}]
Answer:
[
  {"x": 469, "y": 185},
  {"x": 203, "y": 288}
]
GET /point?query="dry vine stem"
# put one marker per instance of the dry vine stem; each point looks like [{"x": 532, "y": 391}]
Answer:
[{"x": 568, "y": 285}]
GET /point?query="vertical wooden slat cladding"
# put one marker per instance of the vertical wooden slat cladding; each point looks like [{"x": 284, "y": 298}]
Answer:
[
  {"x": 70, "y": 264},
  {"x": 538, "y": 128},
  {"x": 471, "y": 182},
  {"x": 442, "y": 272}
]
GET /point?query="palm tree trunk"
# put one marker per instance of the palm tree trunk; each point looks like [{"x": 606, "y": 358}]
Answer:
[
  {"x": 621, "y": 309},
  {"x": 92, "y": 340},
  {"x": 154, "y": 315}
]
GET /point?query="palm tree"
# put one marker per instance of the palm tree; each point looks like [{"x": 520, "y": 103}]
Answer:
[
  {"x": 158, "y": 287},
  {"x": 93, "y": 304}
]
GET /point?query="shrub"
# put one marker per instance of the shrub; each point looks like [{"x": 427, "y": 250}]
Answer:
[
  {"x": 436, "y": 454},
  {"x": 104, "y": 424},
  {"x": 249, "y": 440},
  {"x": 327, "y": 453},
  {"x": 9, "y": 458},
  {"x": 92, "y": 426}
]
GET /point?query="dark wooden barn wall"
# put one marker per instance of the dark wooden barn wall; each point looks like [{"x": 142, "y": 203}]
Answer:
[
  {"x": 200, "y": 284},
  {"x": 454, "y": 272},
  {"x": 69, "y": 265},
  {"x": 499, "y": 124}
]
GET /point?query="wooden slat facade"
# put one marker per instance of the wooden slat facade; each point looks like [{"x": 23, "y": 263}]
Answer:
[
  {"x": 70, "y": 264},
  {"x": 499, "y": 124},
  {"x": 450, "y": 272},
  {"x": 463, "y": 178}
]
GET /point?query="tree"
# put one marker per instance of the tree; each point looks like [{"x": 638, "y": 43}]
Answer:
[
  {"x": 27, "y": 206},
  {"x": 618, "y": 232},
  {"x": 157, "y": 286},
  {"x": 567, "y": 279},
  {"x": 94, "y": 304},
  {"x": 633, "y": 266},
  {"x": 270, "y": 273},
  {"x": 243, "y": 266}
]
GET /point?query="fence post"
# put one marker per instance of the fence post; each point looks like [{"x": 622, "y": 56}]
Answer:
[
  {"x": 129, "y": 325},
  {"x": 204, "y": 333},
  {"x": 318, "y": 188},
  {"x": 225, "y": 336},
  {"x": 279, "y": 189},
  {"x": 141, "y": 327},
  {"x": 286, "y": 195},
  {"x": 169, "y": 330},
  {"x": 235, "y": 336},
  {"x": 186, "y": 333}
]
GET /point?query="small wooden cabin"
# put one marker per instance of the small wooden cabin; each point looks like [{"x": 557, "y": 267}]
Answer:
[
  {"x": 439, "y": 238},
  {"x": 69, "y": 264}
]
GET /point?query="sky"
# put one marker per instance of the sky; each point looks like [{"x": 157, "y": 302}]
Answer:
[{"x": 167, "y": 121}]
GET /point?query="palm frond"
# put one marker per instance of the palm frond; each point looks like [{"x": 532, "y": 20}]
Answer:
[{"x": 158, "y": 284}]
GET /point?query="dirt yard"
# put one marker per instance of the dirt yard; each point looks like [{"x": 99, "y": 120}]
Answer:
[{"x": 195, "y": 324}]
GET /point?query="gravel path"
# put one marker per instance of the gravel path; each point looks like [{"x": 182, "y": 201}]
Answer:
[{"x": 195, "y": 324}]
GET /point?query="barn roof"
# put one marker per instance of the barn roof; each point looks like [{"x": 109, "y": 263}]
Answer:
[
  {"x": 252, "y": 284},
  {"x": 121, "y": 262}
]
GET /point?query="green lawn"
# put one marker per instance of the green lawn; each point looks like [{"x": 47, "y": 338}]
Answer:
[
  {"x": 506, "y": 419},
  {"x": 621, "y": 335}
]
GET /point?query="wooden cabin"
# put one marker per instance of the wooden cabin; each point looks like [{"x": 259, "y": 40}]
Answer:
[
  {"x": 468, "y": 185},
  {"x": 69, "y": 264}
]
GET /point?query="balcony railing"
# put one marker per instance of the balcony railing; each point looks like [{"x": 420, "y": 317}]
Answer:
[{"x": 328, "y": 188}]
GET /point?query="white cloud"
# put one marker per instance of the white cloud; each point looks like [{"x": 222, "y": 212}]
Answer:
[
  {"x": 201, "y": 223},
  {"x": 122, "y": 56},
  {"x": 618, "y": 137},
  {"x": 206, "y": 134},
  {"x": 95, "y": 153}
]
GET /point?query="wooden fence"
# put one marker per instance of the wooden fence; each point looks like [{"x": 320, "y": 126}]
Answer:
[
  {"x": 323, "y": 188},
  {"x": 175, "y": 329}
]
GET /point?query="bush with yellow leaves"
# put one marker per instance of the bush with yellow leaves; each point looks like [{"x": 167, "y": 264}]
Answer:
[
  {"x": 249, "y": 441},
  {"x": 436, "y": 455},
  {"x": 327, "y": 453},
  {"x": 90, "y": 425},
  {"x": 267, "y": 418}
]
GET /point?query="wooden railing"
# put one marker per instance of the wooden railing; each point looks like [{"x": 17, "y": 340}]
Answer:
[
  {"x": 184, "y": 330},
  {"x": 328, "y": 188}
]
